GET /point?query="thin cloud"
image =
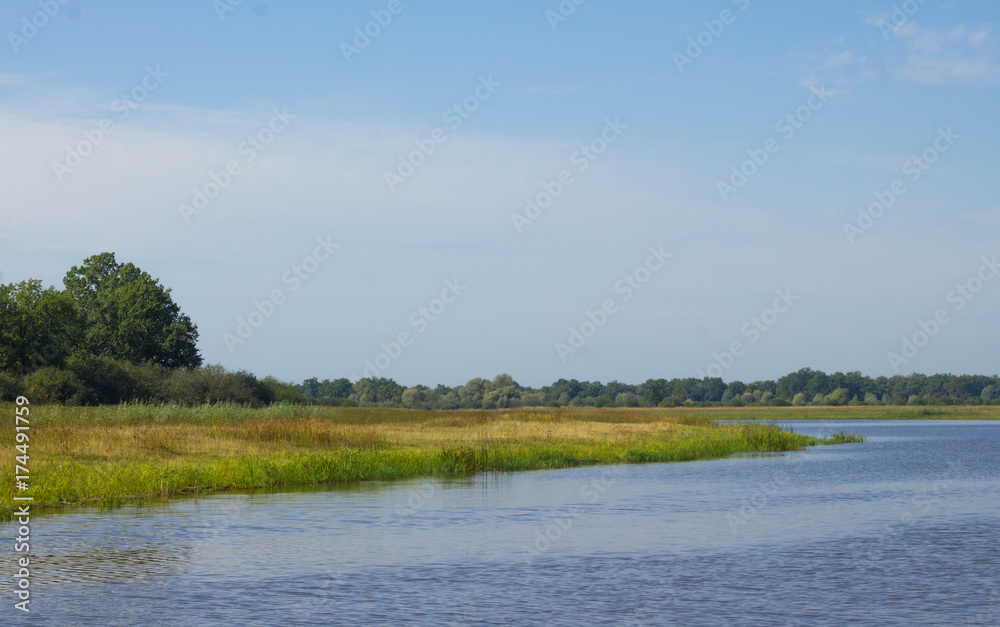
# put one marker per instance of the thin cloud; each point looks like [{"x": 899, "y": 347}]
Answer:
[
  {"x": 552, "y": 90},
  {"x": 960, "y": 55}
]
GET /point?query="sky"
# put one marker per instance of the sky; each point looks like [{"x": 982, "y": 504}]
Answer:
[{"x": 434, "y": 191}]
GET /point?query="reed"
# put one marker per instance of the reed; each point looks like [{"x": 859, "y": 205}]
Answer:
[{"x": 112, "y": 455}]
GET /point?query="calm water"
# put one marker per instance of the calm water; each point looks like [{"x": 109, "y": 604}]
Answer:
[{"x": 901, "y": 530}]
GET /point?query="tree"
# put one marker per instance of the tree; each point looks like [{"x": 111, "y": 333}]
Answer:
[
  {"x": 471, "y": 394},
  {"x": 40, "y": 327},
  {"x": 128, "y": 315},
  {"x": 502, "y": 392}
]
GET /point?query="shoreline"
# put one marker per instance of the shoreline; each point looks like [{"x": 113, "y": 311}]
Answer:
[{"x": 112, "y": 456}]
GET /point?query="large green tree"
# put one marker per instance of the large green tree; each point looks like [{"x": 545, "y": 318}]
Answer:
[
  {"x": 128, "y": 315},
  {"x": 38, "y": 327}
]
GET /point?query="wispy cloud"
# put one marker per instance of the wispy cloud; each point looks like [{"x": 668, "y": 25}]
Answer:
[
  {"x": 12, "y": 79},
  {"x": 552, "y": 90},
  {"x": 991, "y": 218},
  {"x": 839, "y": 59},
  {"x": 961, "y": 55}
]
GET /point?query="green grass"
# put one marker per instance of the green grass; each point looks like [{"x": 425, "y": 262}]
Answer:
[
  {"x": 110, "y": 456},
  {"x": 858, "y": 412},
  {"x": 843, "y": 437}
]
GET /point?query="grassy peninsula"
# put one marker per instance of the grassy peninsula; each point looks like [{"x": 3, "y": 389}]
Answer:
[{"x": 112, "y": 455}]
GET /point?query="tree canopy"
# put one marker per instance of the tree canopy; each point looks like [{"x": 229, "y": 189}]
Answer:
[
  {"x": 128, "y": 315},
  {"x": 40, "y": 327}
]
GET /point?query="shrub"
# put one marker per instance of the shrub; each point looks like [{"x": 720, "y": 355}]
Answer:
[
  {"x": 799, "y": 399},
  {"x": 283, "y": 392},
  {"x": 627, "y": 399},
  {"x": 106, "y": 377},
  {"x": 214, "y": 384},
  {"x": 531, "y": 399},
  {"x": 837, "y": 397},
  {"x": 149, "y": 381},
  {"x": 11, "y": 387},
  {"x": 55, "y": 385}
]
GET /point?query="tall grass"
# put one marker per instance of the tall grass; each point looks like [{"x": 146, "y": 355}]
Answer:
[{"x": 108, "y": 456}]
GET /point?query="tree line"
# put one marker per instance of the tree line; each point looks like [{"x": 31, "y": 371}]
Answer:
[{"x": 114, "y": 334}]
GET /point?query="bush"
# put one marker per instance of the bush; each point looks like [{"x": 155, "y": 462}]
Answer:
[
  {"x": 627, "y": 399},
  {"x": 214, "y": 384},
  {"x": 799, "y": 399},
  {"x": 55, "y": 385},
  {"x": 149, "y": 382},
  {"x": 105, "y": 377},
  {"x": 10, "y": 387},
  {"x": 283, "y": 392},
  {"x": 837, "y": 397}
]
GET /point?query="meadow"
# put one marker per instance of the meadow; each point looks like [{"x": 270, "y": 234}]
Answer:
[{"x": 112, "y": 455}]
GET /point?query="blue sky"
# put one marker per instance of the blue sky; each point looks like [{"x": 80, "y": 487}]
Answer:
[{"x": 889, "y": 91}]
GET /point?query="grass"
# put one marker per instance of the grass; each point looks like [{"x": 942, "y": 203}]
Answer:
[
  {"x": 859, "y": 412},
  {"x": 843, "y": 437},
  {"x": 109, "y": 456}
]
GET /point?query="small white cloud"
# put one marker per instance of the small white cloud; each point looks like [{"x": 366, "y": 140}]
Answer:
[
  {"x": 956, "y": 56},
  {"x": 12, "y": 79},
  {"x": 839, "y": 59},
  {"x": 552, "y": 90},
  {"x": 991, "y": 218}
]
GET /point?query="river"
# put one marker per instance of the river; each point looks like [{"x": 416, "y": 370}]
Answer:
[{"x": 901, "y": 530}]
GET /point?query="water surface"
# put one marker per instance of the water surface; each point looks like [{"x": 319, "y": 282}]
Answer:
[{"x": 901, "y": 530}]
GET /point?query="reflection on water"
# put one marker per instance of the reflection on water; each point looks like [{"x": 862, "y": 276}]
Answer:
[{"x": 900, "y": 530}]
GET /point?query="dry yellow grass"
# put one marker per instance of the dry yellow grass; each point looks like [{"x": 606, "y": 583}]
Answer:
[{"x": 112, "y": 455}]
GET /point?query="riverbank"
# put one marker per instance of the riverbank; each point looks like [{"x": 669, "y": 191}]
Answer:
[
  {"x": 854, "y": 412},
  {"x": 109, "y": 456}
]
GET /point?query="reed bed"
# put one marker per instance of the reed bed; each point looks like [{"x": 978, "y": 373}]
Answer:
[{"x": 109, "y": 456}]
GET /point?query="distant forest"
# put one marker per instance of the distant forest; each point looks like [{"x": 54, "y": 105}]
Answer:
[{"x": 114, "y": 335}]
